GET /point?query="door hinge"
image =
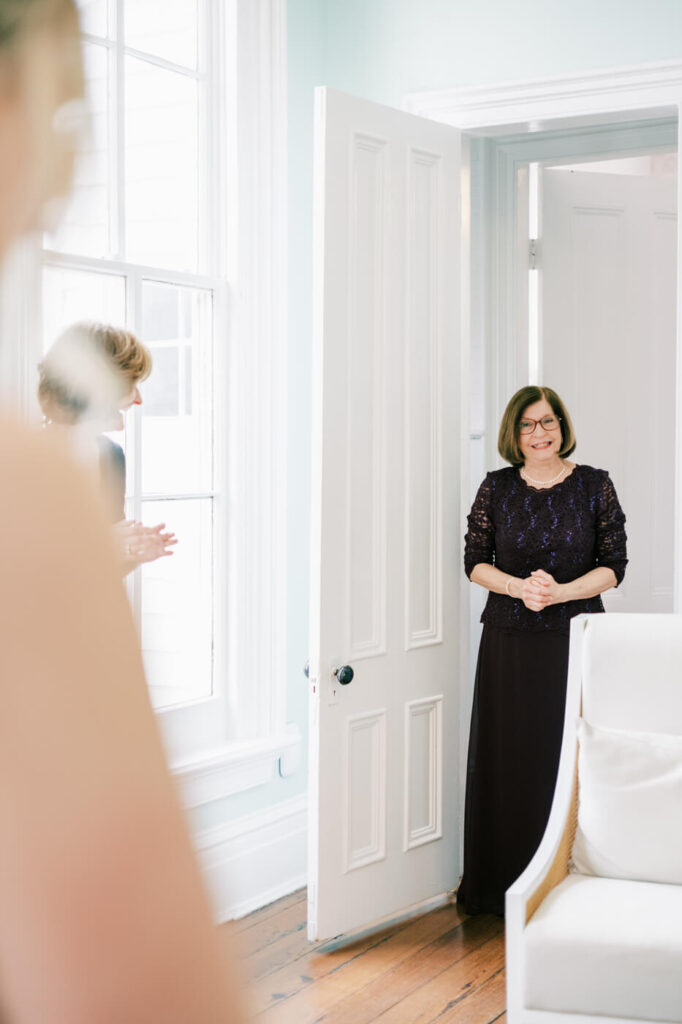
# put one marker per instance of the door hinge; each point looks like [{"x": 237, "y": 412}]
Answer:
[{"x": 533, "y": 253}]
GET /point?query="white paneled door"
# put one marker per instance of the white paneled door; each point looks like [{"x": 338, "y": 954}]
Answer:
[
  {"x": 608, "y": 274},
  {"x": 385, "y": 521}
]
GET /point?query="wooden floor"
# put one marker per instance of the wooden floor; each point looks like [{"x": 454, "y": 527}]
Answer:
[{"x": 442, "y": 966}]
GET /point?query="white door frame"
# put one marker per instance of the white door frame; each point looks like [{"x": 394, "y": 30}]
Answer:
[
  {"x": 501, "y": 179},
  {"x": 594, "y": 112}
]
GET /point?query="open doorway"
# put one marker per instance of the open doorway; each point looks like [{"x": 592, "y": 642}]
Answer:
[
  {"x": 365, "y": 838},
  {"x": 546, "y": 125},
  {"x": 629, "y": 112},
  {"x": 602, "y": 332}
]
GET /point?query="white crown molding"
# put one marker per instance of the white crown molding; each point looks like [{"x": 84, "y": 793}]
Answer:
[
  {"x": 632, "y": 88},
  {"x": 255, "y": 860}
]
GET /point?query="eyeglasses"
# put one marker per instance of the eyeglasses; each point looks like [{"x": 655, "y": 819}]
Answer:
[{"x": 528, "y": 425}]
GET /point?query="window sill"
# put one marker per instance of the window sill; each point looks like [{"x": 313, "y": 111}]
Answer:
[{"x": 233, "y": 769}]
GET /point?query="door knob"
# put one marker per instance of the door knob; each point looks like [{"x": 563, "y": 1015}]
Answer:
[
  {"x": 344, "y": 674},
  {"x": 306, "y": 670}
]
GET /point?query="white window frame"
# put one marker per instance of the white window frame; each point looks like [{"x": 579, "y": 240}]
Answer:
[{"x": 247, "y": 177}]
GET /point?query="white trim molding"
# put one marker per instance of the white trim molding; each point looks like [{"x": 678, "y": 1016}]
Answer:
[
  {"x": 255, "y": 860},
  {"x": 256, "y": 266},
  {"x": 232, "y": 769},
  {"x": 643, "y": 87}
]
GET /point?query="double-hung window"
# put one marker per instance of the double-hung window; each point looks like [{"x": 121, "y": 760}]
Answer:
[
  {"x": 137, "y": 246},
  {"x": 144, "y": 243}
]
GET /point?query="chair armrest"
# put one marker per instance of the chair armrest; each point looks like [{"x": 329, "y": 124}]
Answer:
[{"x": 549, "y": 866}]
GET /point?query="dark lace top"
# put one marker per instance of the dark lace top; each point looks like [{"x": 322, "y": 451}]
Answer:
[{"x": 566, "y": 530}]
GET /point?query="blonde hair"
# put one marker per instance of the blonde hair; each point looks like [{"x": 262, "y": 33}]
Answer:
[
  {"x": 508, "y": 440},
  {"x": 89, "y": 366}
]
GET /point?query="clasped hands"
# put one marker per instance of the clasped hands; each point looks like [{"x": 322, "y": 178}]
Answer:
[{"x": 539, "y": 590}]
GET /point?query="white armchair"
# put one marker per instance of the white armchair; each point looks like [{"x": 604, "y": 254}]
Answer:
[{"x": 606, "y": 947}]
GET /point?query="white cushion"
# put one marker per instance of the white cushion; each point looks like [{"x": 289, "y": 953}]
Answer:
[
  {"x": 631, "y": 672},
  {"x": 629, "y": 805},
  {"x": 606, "y": 946}
]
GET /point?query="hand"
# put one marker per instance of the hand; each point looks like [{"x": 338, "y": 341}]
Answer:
[
  {"x": 137, "y": 543},
  {"x": 540, "y": 590},
  {"x": 153, "y": 542}
]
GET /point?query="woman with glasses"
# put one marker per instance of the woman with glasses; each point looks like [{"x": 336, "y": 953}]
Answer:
[{"x": 546, "y": 537}]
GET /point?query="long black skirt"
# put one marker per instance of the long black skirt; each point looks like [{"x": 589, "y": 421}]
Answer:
[{"x": 514, "y": 746}]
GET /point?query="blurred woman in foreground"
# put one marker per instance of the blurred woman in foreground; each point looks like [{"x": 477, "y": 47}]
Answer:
[{"x": 104, "y": 915}]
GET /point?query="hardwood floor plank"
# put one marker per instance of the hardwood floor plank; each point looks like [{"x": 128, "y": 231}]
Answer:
[
  {"x": 321, "y": 961},
  {"x": 435, "y": 998},
  {"x": 254, "y": 942},
  {"x": 304, "y": 969},
  {"x": 277, "y": 955},
  {"x": 440, "y": 968},
  {"x": 483, "y": 1006},
  {"x": 272, "y": 910},
  {"x": 388, "y": 988},
  {"x": 321, "y": 980}
]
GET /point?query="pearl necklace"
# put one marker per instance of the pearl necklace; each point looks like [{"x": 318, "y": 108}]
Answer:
[{"x": 545, "y": 483}]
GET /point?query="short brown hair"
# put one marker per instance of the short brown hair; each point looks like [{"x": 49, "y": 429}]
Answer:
[
  {"x": 128, "y": 361},
  {"x": 508, "y": 440}
]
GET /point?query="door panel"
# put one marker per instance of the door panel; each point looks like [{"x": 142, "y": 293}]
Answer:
[
  {"x": 385, "y": 527},
  {"x": 608, "y": 295}
]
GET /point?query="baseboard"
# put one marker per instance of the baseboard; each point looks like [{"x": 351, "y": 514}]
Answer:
[{"x": 255, "y": 860}]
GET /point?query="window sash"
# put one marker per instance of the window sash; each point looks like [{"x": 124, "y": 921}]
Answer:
[
  {"x": 209, "y": 76},
  {"x": 245, "y": 244},
  {"x": 204, "y": 720}
]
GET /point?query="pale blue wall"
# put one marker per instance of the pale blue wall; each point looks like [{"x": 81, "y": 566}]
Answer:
[{"x": 382, "y": 49}]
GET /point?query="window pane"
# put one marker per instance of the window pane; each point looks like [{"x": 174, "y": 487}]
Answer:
[
  {"x": 93, "y": 16},
  {"x": 70, "y": 295},
  {"x": 171, "y": 34},
  {"x": 161, "y": 166},
  {"x": 177, "y": 403},
  {"x": 85, "y": 227},
  {"x": 161, "y": 395},
  {"x": 177, "y": 602}
]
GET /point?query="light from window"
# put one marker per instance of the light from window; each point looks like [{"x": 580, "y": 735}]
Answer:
[
  {"x": 177, "y": 605},
  {"x": 161, "y": 166},
  {"x": 132, "y": 250},
  {"x": 177, "y": 435},
  {"x": 86, "y": 226},
  {"x": 70, "y": 295},
  {"x": 170, "y": 34},
  {"x": 94, "y": 16}
]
